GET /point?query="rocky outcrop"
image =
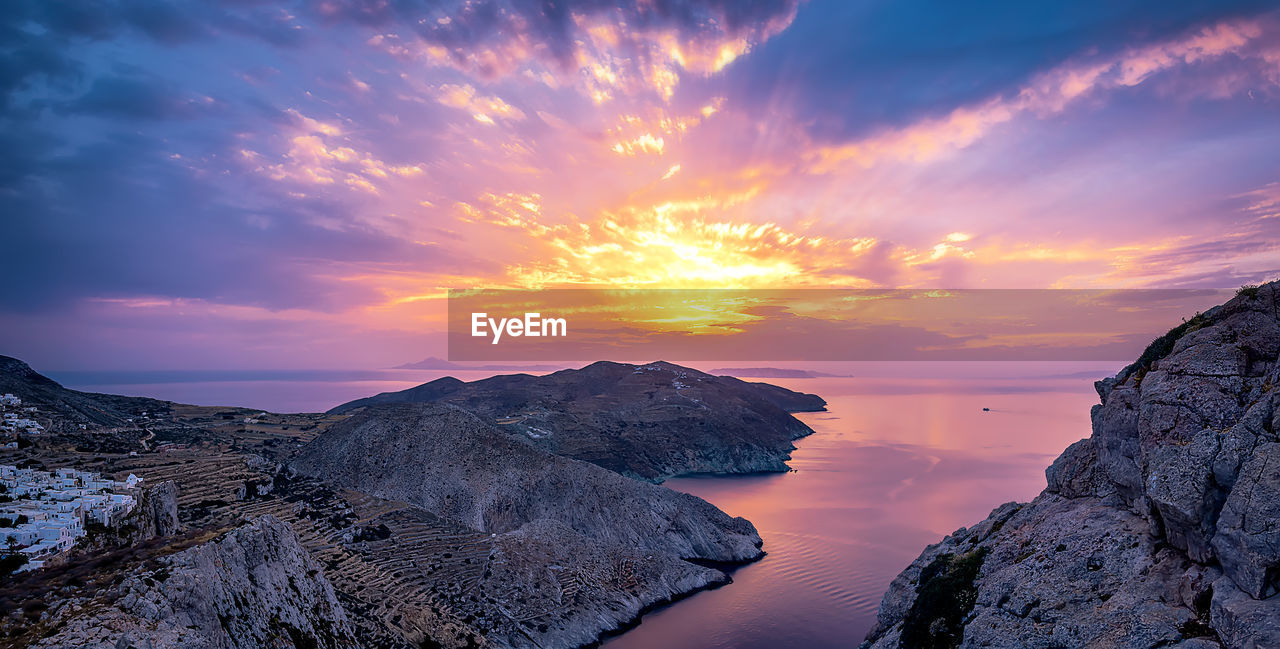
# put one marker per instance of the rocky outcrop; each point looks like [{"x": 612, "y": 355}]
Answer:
[
  {"x": 253, "y": 587},
  {"x": 1162, "y": 529},
  {"x": 157, "y": 511},
  {"x": 154, "y": 516},
  {"x": 645, "y": 421}
]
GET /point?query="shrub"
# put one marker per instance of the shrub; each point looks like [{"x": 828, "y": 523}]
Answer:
[
  {"x": 944, "y": 597},
  {"x": 10, "y": 563},
  {"x": 1163, "y": 346}
]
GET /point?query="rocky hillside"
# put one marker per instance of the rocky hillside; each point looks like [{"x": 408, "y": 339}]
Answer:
[
  {"x": 1162, "y": 529},
  {"x": 592, "y": 547},
  {"x": 72, "y": 407},
  {"x": 253, "y": 587},
  {"x": 646, "y": 421},
  {"x": 455, "y": 465}
]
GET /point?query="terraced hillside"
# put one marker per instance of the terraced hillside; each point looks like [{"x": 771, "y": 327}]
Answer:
[{"x": 406, "y": 572}]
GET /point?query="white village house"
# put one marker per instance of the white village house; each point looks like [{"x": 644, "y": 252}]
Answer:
[{"x": 49, "y": 510}]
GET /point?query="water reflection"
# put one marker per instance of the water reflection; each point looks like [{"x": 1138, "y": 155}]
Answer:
[
  {"x": 904, "y": 455},
  {"x": 896, "y": 463}
]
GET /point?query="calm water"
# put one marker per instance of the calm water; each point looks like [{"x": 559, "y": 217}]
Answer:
[
  {"x": 904, "y": 456},
  {"x": 896, "y": 464}
]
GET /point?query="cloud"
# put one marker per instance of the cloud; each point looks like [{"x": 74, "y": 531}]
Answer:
[
  {"x": 348, "y": 160},
  {"x": 1264, "y": 202},
  {"x": 1050, "y": 92},
  {"x": 135, "y": 98},
  {"x": 673, "y": 244},
  {"x": 319, "y": 154},
  {"x": 122, "y": 217},
  {"x": 482, "y": 108},
  {"x": 605, "y": 46},
  {"x": 902, "y": 62}
]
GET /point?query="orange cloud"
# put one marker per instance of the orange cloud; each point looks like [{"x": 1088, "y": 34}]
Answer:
[
  {"x": 672, "y": 244},
  {"x": 643, "y": 143},
  {"x": 509, "y": 210}
]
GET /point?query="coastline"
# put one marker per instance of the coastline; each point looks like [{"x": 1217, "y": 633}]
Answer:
[
  {"x": 726, "y": 568},
  {"x": 888, "y": 453}
]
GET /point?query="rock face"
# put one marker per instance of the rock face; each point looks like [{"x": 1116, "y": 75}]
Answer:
[
  {"x": 157, "y": 511},
  {"x": 1161, "y": 529},
  {"x": 646, "y": 421},
  {"x": 253, "y": 587}
]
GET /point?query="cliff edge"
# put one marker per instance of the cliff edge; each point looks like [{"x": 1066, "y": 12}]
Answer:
[
  {"x": 254, "y": 586},
  {"x": 1162, "y": 529}
]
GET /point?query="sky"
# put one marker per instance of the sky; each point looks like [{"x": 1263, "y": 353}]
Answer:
[{"x": 245, "y": 184}]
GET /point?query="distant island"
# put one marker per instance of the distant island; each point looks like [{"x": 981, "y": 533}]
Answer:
[
  {"x": 434, "y": 363},
  {"x": 774, "y": 373}
]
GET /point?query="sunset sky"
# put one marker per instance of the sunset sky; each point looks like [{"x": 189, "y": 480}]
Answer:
[{"x": 245, "y": 184}]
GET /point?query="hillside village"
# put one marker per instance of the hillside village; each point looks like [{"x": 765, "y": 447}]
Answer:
[
  {"x": 44, "y": 513},
  {"x": 17, "y": 419}
]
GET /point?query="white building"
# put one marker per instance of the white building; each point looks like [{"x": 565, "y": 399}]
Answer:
[
  {"x": 54, "y": 508},
  {"x": 14, "y": 423}
]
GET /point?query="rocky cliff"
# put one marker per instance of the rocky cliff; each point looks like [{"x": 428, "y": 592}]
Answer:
[
  {"x": 1162, "y": 529},
  {"x": 156, "y": 515},
  {"x": 253, "y": 587},
  {"x": 157, "y": 511},
  {"x": 646, "y": 421}
]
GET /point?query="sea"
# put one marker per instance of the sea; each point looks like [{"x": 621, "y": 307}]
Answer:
[{"x": 905, "y": 454}]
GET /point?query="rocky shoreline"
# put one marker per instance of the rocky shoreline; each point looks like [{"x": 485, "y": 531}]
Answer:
[
  {"x": 726, "y": 568},
  {"x": 1162, "y": 529}
]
